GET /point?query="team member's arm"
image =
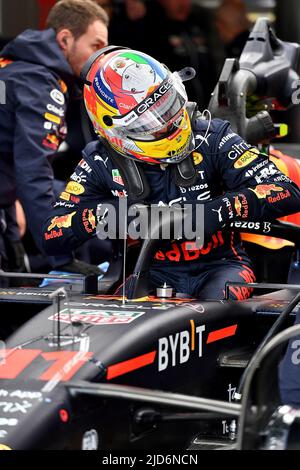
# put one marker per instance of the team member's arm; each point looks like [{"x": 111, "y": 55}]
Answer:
[{"x": 254, "y": 188}]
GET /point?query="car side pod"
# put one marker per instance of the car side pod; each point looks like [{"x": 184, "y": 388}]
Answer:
[{"x": 294, "y": 272}]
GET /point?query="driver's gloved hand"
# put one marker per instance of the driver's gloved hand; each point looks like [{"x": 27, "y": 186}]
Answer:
[
  {"x": 80, "y": 267},
  {"x": 16, "y": 257}
]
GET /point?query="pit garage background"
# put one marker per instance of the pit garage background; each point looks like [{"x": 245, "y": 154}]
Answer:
[{"x": 284, "y": 14}]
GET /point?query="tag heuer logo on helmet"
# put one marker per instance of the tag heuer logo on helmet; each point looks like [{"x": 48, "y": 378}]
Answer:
[{"x": 117, "y": 178}]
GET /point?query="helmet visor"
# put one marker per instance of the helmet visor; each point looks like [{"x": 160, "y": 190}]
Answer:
[{"x": 155, "y": 112}]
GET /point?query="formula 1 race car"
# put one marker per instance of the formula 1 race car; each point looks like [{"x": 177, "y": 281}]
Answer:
[{"x": 81, "y": 368}]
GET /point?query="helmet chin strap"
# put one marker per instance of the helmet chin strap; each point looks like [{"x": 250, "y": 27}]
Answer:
[{"x": 185, "y": 171}]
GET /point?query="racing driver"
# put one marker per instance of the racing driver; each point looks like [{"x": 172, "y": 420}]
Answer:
[{"x": 150, "y": 133}]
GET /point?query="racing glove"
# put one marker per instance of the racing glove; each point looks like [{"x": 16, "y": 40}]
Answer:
[{"x": 16, "y": 257}]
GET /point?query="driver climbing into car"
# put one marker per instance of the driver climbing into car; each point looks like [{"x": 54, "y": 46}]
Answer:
[{"x": 149, "y": 132}]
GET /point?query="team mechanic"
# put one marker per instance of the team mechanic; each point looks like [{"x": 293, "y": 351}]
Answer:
[{"x": 150, "y": 133}]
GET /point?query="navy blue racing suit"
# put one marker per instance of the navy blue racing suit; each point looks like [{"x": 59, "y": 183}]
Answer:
[
  {"x": 32, "y": 124},
  {"x": 235, "y": 183}
]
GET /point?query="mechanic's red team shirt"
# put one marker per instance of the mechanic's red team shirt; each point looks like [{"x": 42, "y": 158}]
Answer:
[{"x": 235, "y": 183}]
